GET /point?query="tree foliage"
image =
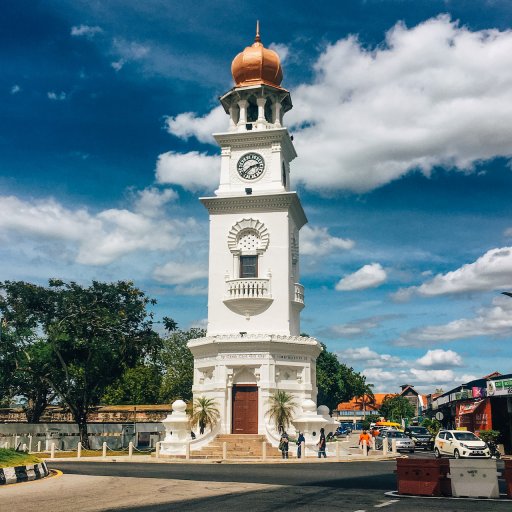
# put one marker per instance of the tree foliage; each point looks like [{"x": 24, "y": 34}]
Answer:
[
  {"x": 205, "y": 413},
  {"x": 281, "y": 406},
  {"x": 336, "y": 382},
  {"x": 396, "y": 407},
  {"x": 77, "y": 340}
]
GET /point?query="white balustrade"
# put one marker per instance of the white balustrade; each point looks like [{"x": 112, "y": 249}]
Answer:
[
  {"x": 299, "y": 293},
  {"x": 247, "y": 289}
]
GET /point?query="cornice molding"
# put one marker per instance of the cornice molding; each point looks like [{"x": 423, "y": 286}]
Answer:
[{"x": 287, "y": 201}]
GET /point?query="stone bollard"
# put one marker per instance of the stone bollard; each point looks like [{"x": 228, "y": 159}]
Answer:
[
  {"x": 38, "y": 446},
  {"x": 365, "y": 448},
  {"x": 393, "y": 446},
  {"x": 104, "y": 454},
  {"x": 187, "y": 450},
  {"x": 303, "y": 451},
  {"x": 24, "y": 447},
  {"x": 79, "y": 450},
  {"x": 263, "y": 450},
  {"x": 224, "y": 450},
  {"x": 16, "y": 438},
  {"x": 29, "y": 443},
  {"x": 52, "y": 451},
  {"x": 385, "y": 447},
  {"x": 157, "y": 450},
  {"x": 130, "y": 450}
]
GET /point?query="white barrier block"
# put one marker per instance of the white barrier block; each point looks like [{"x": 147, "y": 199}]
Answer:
[
  {"x": 10, "y": 476},
  {"x": 474, "y": 478}
]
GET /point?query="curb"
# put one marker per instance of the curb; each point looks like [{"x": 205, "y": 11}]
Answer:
[{"x": 14, "y": 475}]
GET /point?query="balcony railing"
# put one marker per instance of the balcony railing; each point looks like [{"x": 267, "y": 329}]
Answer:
[
  {"x": 249, "y": 296},
  {"x": 299, "y": 294}
]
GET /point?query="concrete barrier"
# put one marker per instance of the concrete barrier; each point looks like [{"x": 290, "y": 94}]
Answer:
[{"x": 475, "y": 478}]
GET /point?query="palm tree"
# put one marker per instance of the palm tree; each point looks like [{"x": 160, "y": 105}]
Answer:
[
  {"x": 366, "y": 397},
  {"x": 281, "y": 408},
  {"x": 205, "y": 413}
]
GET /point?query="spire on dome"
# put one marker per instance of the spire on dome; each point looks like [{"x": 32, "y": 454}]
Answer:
[{"x": 257, "y": 65}]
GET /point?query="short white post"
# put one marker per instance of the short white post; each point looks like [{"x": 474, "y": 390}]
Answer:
[
  {"x": 263, "y": 450},
  {"x": 6, "y": 445},
  {"x": 157, "y": 450},
  {"x": 24, "y": 447},
  {"x": 52, "y": 451},
  {"x": 130, "y": 450},
  {"x": 16, "y": 442},
  {"x": 385, "y": 447},
  {"x": 393, "y": 446},
  {"x": 337, "y": 450},
  {"x": 29, "y": 443},
  {"x": 79, "y": 450},
  {"x": 104, "y": 453},
  {"x": 365, "y": 448},
  {"x": 187, "y": 450},
  {"x": 224, "y": 450},
  {"x": 303, "y": 451},
  {"x": 38, "y": 446}
]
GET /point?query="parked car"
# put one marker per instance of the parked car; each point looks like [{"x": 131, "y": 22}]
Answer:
[
  {"x": 403, "y": 443},
  {"x": 421, "y": 436},
  {"x": 342, "y": 432},
  {"x": 460, "y": 443}
]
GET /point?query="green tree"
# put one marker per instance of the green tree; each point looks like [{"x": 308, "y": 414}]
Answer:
[
  {"x": 432, "y": 425},
  {"x": 205, "y": 413},
  {"x": 177, "y": 365},
  {"x": 396, "y": 407},
  {"x": 336, "y": 382},
  {"x": 89, "y": 336},
  {"x": 281, "y": 407},
  {"x": 138, "y": 385}
]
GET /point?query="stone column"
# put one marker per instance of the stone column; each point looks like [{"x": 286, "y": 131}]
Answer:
[
  {"x": 260, "y": 123},
  {"x": 242, "y": 120}
]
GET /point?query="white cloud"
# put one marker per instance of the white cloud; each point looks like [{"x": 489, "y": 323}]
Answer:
[
  {"x": 180, "y": 273},
  {"x": 187, "y": 125},
  {"x": 85, "y": 31},
  {"x": 150, "y": 201},
  {"x": 316, "y": 241},
  {"x": 370, "y": 358},
  {"x": 432, "y": 376},
  {"x": 492, "y": 321},
  {"x": 127, "y": 51},
  {"x": 281, "y": 49},
  {"x": 492, "y": 271},
  {"x": 191, "y": 170},
  {"x": 369, "y": 276},
  {"x": 94, "y": 239},
  {"x": 56, "y": 96},
  {"x": 15, "y": 89},
  {"x": 439, "y": 358},
  {"x": 436, "y": 94}
]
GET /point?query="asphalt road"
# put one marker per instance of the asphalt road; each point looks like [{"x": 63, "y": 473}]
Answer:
[{"x": 137, "y": 487}]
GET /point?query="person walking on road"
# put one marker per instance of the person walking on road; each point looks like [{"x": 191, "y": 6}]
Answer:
[
  {"x": 321, "y": 444},
  {"x": 365, "y": 437},
  {"x": 283, "y": 445},
  {"x": 301, "y": 439}
]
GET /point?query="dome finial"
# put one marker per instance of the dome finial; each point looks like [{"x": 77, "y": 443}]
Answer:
[{"x": 257, "y": 39}]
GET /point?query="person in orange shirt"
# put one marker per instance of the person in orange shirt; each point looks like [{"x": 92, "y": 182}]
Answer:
[{"x": 365, "y": 437}]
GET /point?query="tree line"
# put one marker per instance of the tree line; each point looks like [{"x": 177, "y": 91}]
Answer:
[{"x": 83, "y": 346}]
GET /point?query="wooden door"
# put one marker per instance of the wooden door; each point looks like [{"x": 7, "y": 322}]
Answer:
[{"x": 245, "y": 410}]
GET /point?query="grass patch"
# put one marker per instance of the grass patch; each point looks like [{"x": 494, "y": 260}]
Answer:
[{"x": 10, "y": 458}]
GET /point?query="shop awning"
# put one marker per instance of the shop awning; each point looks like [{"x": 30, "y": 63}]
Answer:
[{"x": 470, "y": 408}]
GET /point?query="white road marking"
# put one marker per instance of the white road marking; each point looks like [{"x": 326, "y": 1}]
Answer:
[
  {"x": 386, "y": 503},
  {"x": 359, "y": 510}
]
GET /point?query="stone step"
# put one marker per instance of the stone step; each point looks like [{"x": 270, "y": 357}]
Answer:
[{"x": 237, "y": 446}]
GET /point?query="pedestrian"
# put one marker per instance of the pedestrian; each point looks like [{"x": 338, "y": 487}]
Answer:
[
  {"x": 365, "y": 437},
  {"x": 301, "y": 439},
  {"x": 321, "y": 444},
  {"x": 283, "y": 445}
]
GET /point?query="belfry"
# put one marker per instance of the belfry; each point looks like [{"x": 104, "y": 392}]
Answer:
[{"x": 253, "y": 345}]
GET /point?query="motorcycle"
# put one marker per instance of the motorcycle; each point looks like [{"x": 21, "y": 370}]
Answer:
[{"x": 493, "y": 448}]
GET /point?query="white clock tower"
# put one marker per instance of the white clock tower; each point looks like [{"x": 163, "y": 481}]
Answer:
[{"x": 253, "y": 345}]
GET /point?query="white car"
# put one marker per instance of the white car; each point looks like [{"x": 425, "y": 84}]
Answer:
[{"x": 460, "y": 443}]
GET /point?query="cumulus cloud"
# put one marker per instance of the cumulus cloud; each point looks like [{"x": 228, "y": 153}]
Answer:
[
  {"x": 191, "y": 170},
  {"x": 369, "y": 276},
  {"x": 180, "y": 273},
  {"x": 437, "y": 94},
  {"x": 490, "y": 321},
  {"x": 188, "y": 125},
  {"x": 370, "y": 358},
  {"x": 281, "y": 49},
  {"x": 85, "y": 31},
  {"x": 439, "y": 358},
  {"x": 95, "y": 238},
  {"x": 57, "y": 96},
  {"x": 150, "y": 201},
  {"x": 15, "y": 89},
  {"x": 127, "y": 51},
  {"x": 492, "y": 271},
  {"x": 316, "y": 241}
]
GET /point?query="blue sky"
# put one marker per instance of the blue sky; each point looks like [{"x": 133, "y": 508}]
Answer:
[{"x": 402, "y": 121}]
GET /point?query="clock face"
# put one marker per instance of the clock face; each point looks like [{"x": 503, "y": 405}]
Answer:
[{"x": 250, "y": 166}]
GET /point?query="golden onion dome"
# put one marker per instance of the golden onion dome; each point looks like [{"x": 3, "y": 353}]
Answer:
[{"x": 257, "y": 65}]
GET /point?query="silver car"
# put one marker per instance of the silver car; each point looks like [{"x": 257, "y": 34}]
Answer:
[{"x": 403, "y": 443}]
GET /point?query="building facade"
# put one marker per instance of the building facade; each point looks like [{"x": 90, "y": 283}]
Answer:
[{"x": 253, "y": 345}]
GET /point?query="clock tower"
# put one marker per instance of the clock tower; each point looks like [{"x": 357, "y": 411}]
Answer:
[{"x": 253, "y": 345}]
